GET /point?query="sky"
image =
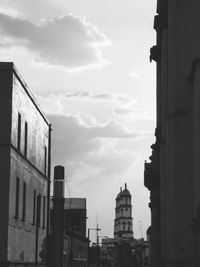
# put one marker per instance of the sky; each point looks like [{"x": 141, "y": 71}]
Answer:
[{"x": 87, "y": 63}]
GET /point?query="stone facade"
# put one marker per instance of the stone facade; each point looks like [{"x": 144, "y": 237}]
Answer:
[
  {"x": 172, "y": 175},
  {"x": 24, "y": 149}
]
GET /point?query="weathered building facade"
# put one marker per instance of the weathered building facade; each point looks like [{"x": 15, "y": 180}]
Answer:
[
  {"x": 173, "y": 174},
  {"x": 24, "y": 164}
]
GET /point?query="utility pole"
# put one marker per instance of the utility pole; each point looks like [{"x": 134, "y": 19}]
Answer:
[{"x": 97, "y": 230}]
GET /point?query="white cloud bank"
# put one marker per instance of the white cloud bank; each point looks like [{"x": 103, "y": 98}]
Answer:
[
  {"x": 73, "y": 139},
  {"x": 68, "y": 41}
]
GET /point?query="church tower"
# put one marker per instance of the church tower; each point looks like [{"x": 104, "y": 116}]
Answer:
[{"x": 123, "y": 223}]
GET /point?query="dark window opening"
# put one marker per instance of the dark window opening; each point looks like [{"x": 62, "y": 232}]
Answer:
[
  {"x": 25, "y": 139},
  {"x": 34, "y": 206},
  {"x": 24, "y": 202},
  {"x": 17, "y": 199},
  {"x": 121, "y": 212},
  {"x": 45, "y": 160},
  {"x": 44, "y": 212},
  {"x": 38, "y": 214},
  {"x": 124, "y": 225},
  {"x": 19, "y": 132}
]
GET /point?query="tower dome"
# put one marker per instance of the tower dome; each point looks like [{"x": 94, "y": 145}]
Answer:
[{"x": 125, "y": 192}]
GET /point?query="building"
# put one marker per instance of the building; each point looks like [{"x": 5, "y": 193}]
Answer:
[
  {"x": 123, "y": 223},
  {"x": 117, "y": 251},
  {"x": 123, "y": 231},
  {"x": 75, "y": 215},
  {"x": 141, "y": 253},
  {"x": 24, "y": 165},
  {"x": 76, "y": 243},
  {"x": 108, "y": 251},
  {"x": 122, "y": 250},
  {"x": 172, "y": 175}
]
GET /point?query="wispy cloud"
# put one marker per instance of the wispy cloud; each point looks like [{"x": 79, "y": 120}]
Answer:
[
  {"x": 68, "y": 41},
  {"x": 123, "y": 111},
  {"x": 104, "y": 96},
  {"x": 74, "y": 139}
]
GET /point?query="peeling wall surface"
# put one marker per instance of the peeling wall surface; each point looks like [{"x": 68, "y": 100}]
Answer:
[{"x": 23, "y": 169}]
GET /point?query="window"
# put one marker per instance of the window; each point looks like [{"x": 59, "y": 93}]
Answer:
[
  {"x": 24, "y": 202},
  {"x": 34, "y": 206},
  {"x": 17, "y": 198},
  {"x": 45, "y": 160},
  {"x": 25, "y": 138},
  {"x": 121, "y": 212},
  {"x": 38, "y": 210},
  {"x": 19, "y": 132},
  {"x": 44, "y": 212},
  {"x": 124, "y": 226}
]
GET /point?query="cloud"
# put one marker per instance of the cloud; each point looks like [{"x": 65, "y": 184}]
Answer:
[
  {"x": 134, "y": 74},
  {"x": 100, "y": 105},
  {"x": 122, "y": 111},
  {"x": 105, "y": 97},
  {"x": 93, "y": 148},
  {"x": 112, "y": 161},
  {"x": 68, "y": 41},
  {"x": 112, "y": 129},
  {"x": 133, "y": 114},
  {"x": 96, "y": 163}
]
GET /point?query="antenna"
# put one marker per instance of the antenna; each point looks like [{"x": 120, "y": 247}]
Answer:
[{"x": 97, "y": 229}]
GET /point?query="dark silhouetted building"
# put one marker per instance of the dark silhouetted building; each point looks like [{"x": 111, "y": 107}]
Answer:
[
  {"x": 24, "y": 149},
  {"x": 172, "y": 175}
]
